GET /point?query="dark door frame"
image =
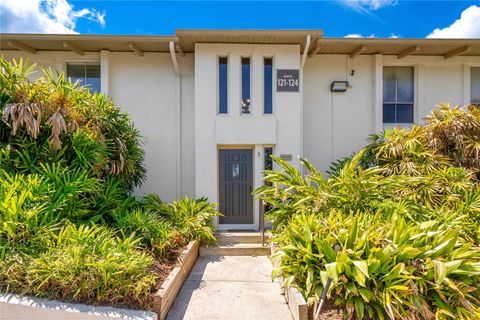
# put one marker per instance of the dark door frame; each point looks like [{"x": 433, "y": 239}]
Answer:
[{"x": 250, "y": 148}]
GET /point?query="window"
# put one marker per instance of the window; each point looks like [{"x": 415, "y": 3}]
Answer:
[
  {"x": 267, "y": 159},
  {"x": 222, "y": 85},
  {"x": 475, "y": 86},
  {"x": 87, "y": 73},
  {"x": 246, "y": 85},
  {"x": 267, "y": 85},
  {"x": 398, "y": 95}
]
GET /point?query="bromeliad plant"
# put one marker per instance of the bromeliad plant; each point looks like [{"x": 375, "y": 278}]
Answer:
[{"x": 395, "y": 226}]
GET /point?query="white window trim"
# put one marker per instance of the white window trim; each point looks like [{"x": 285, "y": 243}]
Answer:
[
  {"x": 250, "y": 57},
  {"x": 79, "y": 62},
  {"x": 415, "y": 96},
  {"x": 268, "y": 56},
  {"x": 467, "y": 80},
  {"x": 217, "y": 67}
]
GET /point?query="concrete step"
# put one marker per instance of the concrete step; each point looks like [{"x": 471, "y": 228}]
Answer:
[
  {"x": 235, "y": 249},
  {"x": 239, "y": 237}
]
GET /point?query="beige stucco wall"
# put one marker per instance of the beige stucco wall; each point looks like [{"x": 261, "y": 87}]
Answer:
[
  {"x": 338, "y": 124},
  {"x": 145, "y": 87}
]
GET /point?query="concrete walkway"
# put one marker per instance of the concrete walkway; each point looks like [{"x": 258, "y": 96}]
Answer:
[{"x": 230, "y": 287}]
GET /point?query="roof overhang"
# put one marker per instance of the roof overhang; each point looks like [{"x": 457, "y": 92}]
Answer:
[
  {"x": 85, "y": 43},
  {"x": 402, "y": 48},
  {"x": 185, "y": 41}
]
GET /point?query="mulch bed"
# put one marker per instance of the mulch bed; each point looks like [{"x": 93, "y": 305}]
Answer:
[
  {"x": 163, "y": 267},
  {"x": 330, "y": 312}
]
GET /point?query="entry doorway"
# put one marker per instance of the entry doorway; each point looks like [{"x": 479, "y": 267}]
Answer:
[{"x": 236, "y": 186}]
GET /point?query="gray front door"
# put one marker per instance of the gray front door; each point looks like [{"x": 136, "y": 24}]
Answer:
[{"x": 235, "y": 183}]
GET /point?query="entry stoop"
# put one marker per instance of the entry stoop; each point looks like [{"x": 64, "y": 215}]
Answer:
[{"x": 236, "y": 244}]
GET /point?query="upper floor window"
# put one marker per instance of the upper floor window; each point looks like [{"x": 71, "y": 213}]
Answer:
[
  {"x": 87, "y": 73},
  {"x": 267, "y": 85},
  {"x": 475, "y": 86},
  {"x": 398, "y": 97},
  {"x": 222, "y": 85},
  {"x": 246, "y": 85}
]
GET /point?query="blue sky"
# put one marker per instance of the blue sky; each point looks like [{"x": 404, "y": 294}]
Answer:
[{"x": 379, "y": 18}]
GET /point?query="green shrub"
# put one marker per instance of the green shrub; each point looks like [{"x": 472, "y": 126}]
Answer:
[
  {"x": 191, "y": 218},
  {"x": 85, "y": 263},
  {"x": 156, "y": 233},
  {"x": 396, "y": 226},
  {"x": 397, "y": 269},
  {"x": 69, "y": 227}
]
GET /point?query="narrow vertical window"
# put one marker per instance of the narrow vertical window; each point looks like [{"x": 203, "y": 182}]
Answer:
[
  {"x": 222, "y": 85},
  {"x": 475, "y": 86},
  {"x": 246, "y": 85},
  {"x": 398, "y": 95},
  {"x": 267, "y": 85},
  {"x": 267, "y": 160}
]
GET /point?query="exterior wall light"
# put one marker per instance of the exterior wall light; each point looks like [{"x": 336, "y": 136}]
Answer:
[{"x": 339, "y": 86}]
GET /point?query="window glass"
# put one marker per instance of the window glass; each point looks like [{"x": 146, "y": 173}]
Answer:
[
  {"x": 268, "y": 85},
  {"x": 268, "y": 164},
  {"x": 222, "y": 83},
  {"x": 398, "y": 94},
  {"x": 246, "y": 85},
  {"x": 404, "y": 113},
  {"x": 404, "y": 84},
  {"x": 87, "y": 74},
  {"x": 475, "y": 85},
  {"x": 389, "y": 113},
  {"x": 389, "y": 85}
]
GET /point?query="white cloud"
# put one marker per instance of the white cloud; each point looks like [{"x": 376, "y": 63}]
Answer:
[
  {"x": 358, "y": 35},
  {"x": 394, "y": 36},
  {"x": 468, "y": 26},
  {"x": 365, "y": 5},
  {"x": 43, "y": 16}
]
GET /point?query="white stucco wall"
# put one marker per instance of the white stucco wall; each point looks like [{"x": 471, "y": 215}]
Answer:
[
  {"x": 145, "y": 87},
  {"x": 338, "y": 124},
  {"x": 213, "y": 131}
]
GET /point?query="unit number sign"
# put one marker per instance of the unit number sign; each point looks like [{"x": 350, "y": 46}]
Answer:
[{"x": 287, "y": 80}]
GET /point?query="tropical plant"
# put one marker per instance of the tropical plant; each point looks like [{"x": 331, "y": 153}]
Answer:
[
  {"x": 69, "y": 227},
  {"x": 396, "y": 226},
  {"x": 192, "y": 218}
]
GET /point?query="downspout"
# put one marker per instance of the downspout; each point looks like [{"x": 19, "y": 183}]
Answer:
[
  {"x": 178, "y": 115},
  {"x": 302, "y": 63}
]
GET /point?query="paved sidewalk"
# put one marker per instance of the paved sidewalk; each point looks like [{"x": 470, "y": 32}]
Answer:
[{"x": 230, "y": 287}]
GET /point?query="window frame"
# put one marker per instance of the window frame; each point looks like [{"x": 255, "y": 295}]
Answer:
[
  {"x": 470, "y": 100},
  {"x": 250, "y": 113},
  {"x": 414, "y": 95},
  {"x": 92, "y": 62},
  {"x": 222, "y": 56},
  {"x": 271, "y": 57}
]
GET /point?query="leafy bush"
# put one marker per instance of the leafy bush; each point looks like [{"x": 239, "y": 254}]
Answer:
[
  {"x": 192, "y": 218},
  {"x": 395, "y": 226},
  {"x": 69, "y": 227},
  {"x": 81, "y": 262}
]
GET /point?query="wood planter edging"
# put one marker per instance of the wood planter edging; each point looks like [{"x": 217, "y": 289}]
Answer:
[
  {"x": 165, "y": 296},
  {"x": 296, "y": 303}
]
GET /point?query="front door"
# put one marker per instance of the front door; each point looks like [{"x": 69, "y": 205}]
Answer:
[{"x": 235, "y": 186}]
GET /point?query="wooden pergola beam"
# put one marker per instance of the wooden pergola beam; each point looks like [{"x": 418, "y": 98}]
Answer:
[
  {"x": 73, "y": 48},
  {"x": 358, "y": 50},
  {"x": 135, "y": 49},
  {"x": 457, "y": 52},
  {"x": 408, "y": 52},
  {"x": 314, "y": 48},
  {"x": 180, "y": 49},
  {"x": 22, "y": 46}
]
